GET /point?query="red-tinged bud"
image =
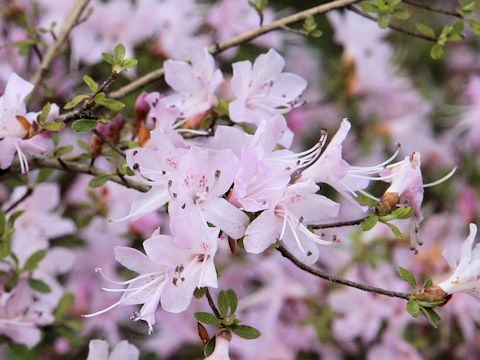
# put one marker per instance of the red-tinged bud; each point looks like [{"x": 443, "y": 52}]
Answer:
[
  {"x": 202, "y": 333},
  {"x": 433, "y": 293}
]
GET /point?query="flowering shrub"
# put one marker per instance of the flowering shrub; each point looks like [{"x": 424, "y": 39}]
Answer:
[{"x": 177, "y": 180}]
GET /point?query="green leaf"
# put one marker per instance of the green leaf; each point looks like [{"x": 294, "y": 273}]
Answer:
[
  {"x": 431, "y": 316},
  {"x": 43, "y": 115},
  {"x": 119, "y": 53},
  {"x": 413, "y": 308},
  {"x": 44, "y": 174},
  {"x": 33, "y": 261},
  {"x": 425, "y": 30},
  {"x": 2, "y": 222},
  {"x": 5, "y": 249},
  {"x": 129, "y": 63},
  {"x": 407, "y": 276},
  {"x": 245, "y": 331},
  {"x": 232, "y": 300},
  {"x": 54, "y": 125},
  {"x": 403, "y": 212},
  {"x": 223, "y": 303},
  {"x": 207, "y": 318},
  {"x": 436, "y": 52},
  {"x": 396, "y": 231},
  {"x": 199, "y": 292},
  {"x": 98, "y": 181},
  {"x": 83, "y": 145},
  {"x": 475, "y": 26},
  {"x": 209, "y": 347},
  {"x": 111, "y": 104},
  {"x": 84, "y": 125},
  {"x": 369, "y": 222},
  {"x": 316, "y": 33},
  {"x": 39, "y": 285},
  {"x": 92, "y": 84},
  {"x": 62, "y": 150},
  {"x": 383, "y": 21},
  {"x": 108, "y": 58},
  {"x": 14, "y": 216},
  {"x": 77, "y": 99},
  {"x": 64, "y": 306},
  {"x": 428, "y": 283},
  {"x": 402, "y": 14},
  {"x": 369, "y": 7},
  {"x": 55, "y": 139},
  {"x": 365, "y": 201}
]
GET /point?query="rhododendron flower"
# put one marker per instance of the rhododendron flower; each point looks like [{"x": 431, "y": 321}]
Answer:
[
  {"x": 289, "y": 211},
  {"x": 262, "y": 90},
  {"x": 466, "y": 273},
  {"x": 194, "y": 84},
  {"x": 98, "y": 350},
  {"x": 16, "y": 126},
  {"x": 332, "y": 169},
  {"x": 193, "y": 178}
]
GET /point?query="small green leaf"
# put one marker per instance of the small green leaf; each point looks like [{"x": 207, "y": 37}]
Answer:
[
  {"x": 55, "y": 139},
  {"x": 54, "y": 125},
  {"x": 39, "y": 285},
  {"x": 396, "y": 231},
  {"x": 209, "y": 347},
  {"x": 44, "y": 114},
  {"x": 413, "y": 308},
  {"x": 77, "y": 99},
  {"x": 83, "y": 145},
  {"x": 475, "y": 26},
  {"x": 108, "y": 58},
  {"x": 407, "y": 276},
  {"x": 369, "y": 7},
  {"x": 207, "y": 318},
  {"x": 111, "y": 104},
  {"x": 33, "y": 261},
  {"x": 365, "y": 201},
  {"x": 436, "y": 52},
  {"x": 199, "y": 292},
  {"x": 62, "y": 150},
  {"x": 119, "y": 53},
  {"x": 425, "y": 30},
  {"x": 428, "y": 283},
  {"x": 92, "y": 84},
  {"x": 431, "y": 316},
  {"x": 232, "y": 300},
  {"x": 98, "y": 181},
  {"x": 223, "y": 303},
  {"x": 14, "y": 216},
  {"x": 44, "y": 174},
  {"x": 316, "y": 33},
  {"x": 84, "y": 125},
  {"x": 129, "y": 63},
  {"x": 245, "y": 331},
  {"x": 5, "y": 249},
  {"x": 64, "y": 306},
  {"x": 403, "y": 212},
  {"x": 402, "y": 14},
  {"x": 369, "y": 222},
  {"x": 383, "y": 21}
]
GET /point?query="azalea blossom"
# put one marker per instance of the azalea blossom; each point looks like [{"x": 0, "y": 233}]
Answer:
[
  {"x": 262, "y": 90},
  {"x": 194, "y": 84},
  {"x": 98, "y": 350},
  {"x": 16, "y": 125},
  {"x": 286, "y": 219},
  {"x": 466, "y": 273}
]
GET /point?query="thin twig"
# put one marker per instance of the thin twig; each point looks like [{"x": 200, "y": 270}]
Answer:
[
  {"x": 393, "y": 27},
  {"x": 338, "y": 280},
  {"x": 54, "y": 48},
  {"x": 212, "y": 304},
  {"x": 434, "y": 9},
  {"x": 338, "y": 224},
  {"x": 237, "y": 40},
  {"x": 19, "y": 201},
  {"x": 109, "y": 142}
]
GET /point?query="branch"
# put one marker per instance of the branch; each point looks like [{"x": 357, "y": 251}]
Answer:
[
  {"x": 434, "y": 9},
  {"x": 54, "y": 48},
  {"x": 393, "y": 27},
  {"x": 19, "y": 201},
  {"x": 212, "y": 304},
  {"x": 337, "y": 280},
  {"x": 74, "y": 167},
  {"x": 109, "y": 142},
  {"x": 338, "y": 224},
  {"x": 237, "y": 40}
]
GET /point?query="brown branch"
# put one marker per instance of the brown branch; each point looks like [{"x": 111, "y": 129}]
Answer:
[
  {"x": 393, "y": 27},
  {"x": 337, "y": 280},
  {"x": 19, "y": 201},
  {"x": 73, "y": 167},
  {"x": 433, "y": 9},
  {"x": 212, "y": 304},
  {"x": 109, "y": 142},
  {"x": 338, "y": 224},
  {"x": 54, "y": 48},
  {"x": 237, "y": 40}
]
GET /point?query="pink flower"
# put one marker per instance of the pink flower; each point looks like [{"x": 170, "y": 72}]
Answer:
[
  {"x": 15, "y": 124},
  {"x": 466, "y": 274},
  {"x": 289, "y": 211},
  {"x": 262, "y": 90},
  {"x": 194, "y": 84},
  {"x": 98, "y": 350}
]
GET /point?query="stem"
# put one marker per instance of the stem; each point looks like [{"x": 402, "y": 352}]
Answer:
[
  {"x": 212, "y": 304},
  {"x": 19, "y": 201},
  {"x": 338, "y": 224},
  {"x": 394, "y": 27},
  {"x": 338, "y": 280},
  {"x": 237, "y": 40},
  {"x": 54, "y": 48},
  {"x": 434, "y": 9},
  {"x": 109, "y": 142}
]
